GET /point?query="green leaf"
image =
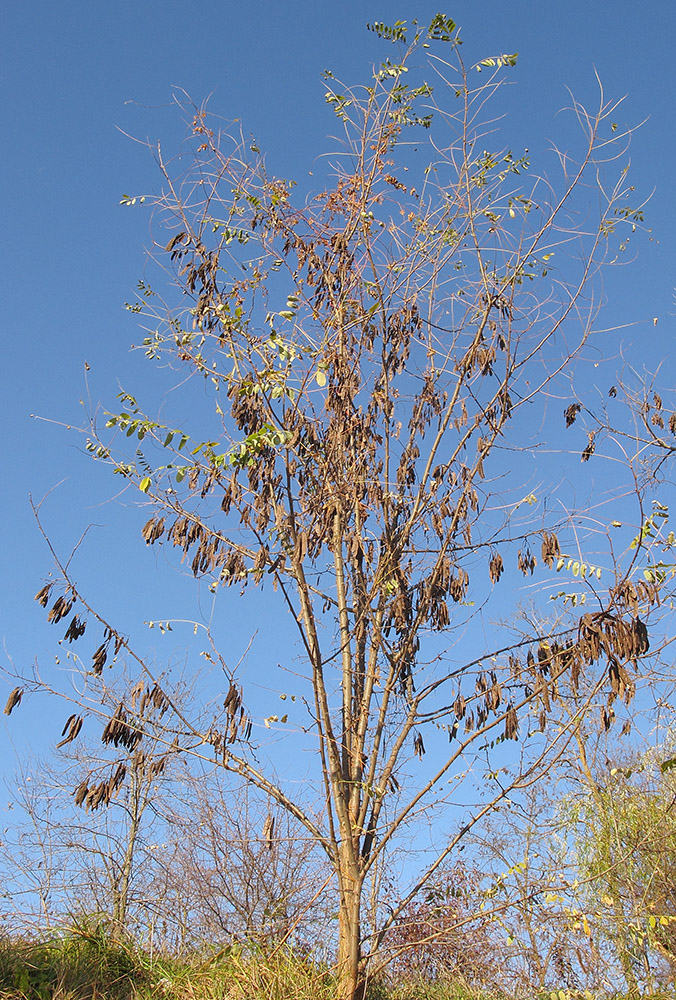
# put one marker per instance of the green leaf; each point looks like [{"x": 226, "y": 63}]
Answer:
[
  {"x": 145, "y": 484},
  {"x": 496, "y": 62}
]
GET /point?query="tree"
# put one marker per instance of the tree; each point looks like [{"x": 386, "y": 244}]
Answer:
[
  {"x": 430, "y": 942},
  {"x": 361, "y": 456},
  {"x": 546, "y": 940},
  {"x": 79, "y": 858},
  {"x": 626, "y": 852},
  {"x": 242, "y": 869}
]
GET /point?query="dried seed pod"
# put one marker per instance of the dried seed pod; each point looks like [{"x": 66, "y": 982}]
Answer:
[
  {"x": 157, "y": 766},
  {"x": 159, "y": 699},
  {"x": 526, "y": 561},
  {"x": 511, "y": 724},
  {"x": 99, "y": 658},
  {"x": 60, "y": 609},
  {"x": 571, "y": 413},
  {"x": 42, "y": 596},
  {"x": 591, "y": 447},
  {"x": 70, "y": 730},
  {"x": 13, "y": 700},
  {"x": 458, "y": 585},
  {"x": 550, "y": 549},
  {"x": 542, "y": 689},
  {"x": 120, "y": 733},
  {"x": 495, "y": 567},
  {"x": 153, "y": 530},
  {"x": 81, "y": 792},
  {"x": 494, "y": 696},
  {"x": 640, "y": 633},
  {"x": 268, "y": 831},
  {"x": 75, "y": 629}
]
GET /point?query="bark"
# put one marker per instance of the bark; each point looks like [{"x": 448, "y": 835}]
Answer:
[
  {"x": 136, "y": 805},
  {"x": 351, "y": 966}
]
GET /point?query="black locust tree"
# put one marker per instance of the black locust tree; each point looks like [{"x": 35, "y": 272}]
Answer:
[{"x": 378, "y": 359}]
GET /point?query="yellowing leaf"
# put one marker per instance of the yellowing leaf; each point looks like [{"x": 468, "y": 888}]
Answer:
[
  {"x": 320, "y": 378},
  {"x": 145, "y": 484}
]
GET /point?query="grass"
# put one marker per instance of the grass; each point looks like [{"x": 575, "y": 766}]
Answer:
[{"x": 85, "y": 963}]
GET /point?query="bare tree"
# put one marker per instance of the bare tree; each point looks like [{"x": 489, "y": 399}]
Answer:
[
  {"x": 71, "y": 855},
  {"x": 441, "y": 937},
  {"x": 244, "y": 870},
  {"x": 362, "y": 458}
]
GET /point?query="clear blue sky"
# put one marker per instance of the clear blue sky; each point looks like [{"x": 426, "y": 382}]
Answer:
[{"x": 79, "y": 78}]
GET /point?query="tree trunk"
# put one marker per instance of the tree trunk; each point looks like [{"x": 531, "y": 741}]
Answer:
[
  {"x": 351, "y": 971},
  {"x": 136, "y": 805}
]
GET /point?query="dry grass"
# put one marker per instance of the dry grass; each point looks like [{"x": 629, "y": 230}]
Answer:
[{"x": 84, "y": 963}]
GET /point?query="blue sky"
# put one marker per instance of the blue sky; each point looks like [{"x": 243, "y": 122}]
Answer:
[{"x": 83, "y": 82}]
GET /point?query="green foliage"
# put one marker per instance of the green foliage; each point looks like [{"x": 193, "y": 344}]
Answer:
[
  {"x": 650, "y": 525},
  {"x": 441, "y": 28},
  {"x": 497, "y": 62},
  {"x": 396, "y": 33},
  {"x": 627, "y": 857}
]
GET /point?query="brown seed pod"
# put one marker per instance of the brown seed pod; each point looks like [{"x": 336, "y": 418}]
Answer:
[
  {"x": 42, "y": 596},
  {"x": 511, "y": 724},
  {"x": 13, "y": 700},
  {"x": 70, "y": 730},
  {"x": 550, "y": 549},
  {"x": 571, "y": 413},
  {"x": 495, "y": 567}
]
